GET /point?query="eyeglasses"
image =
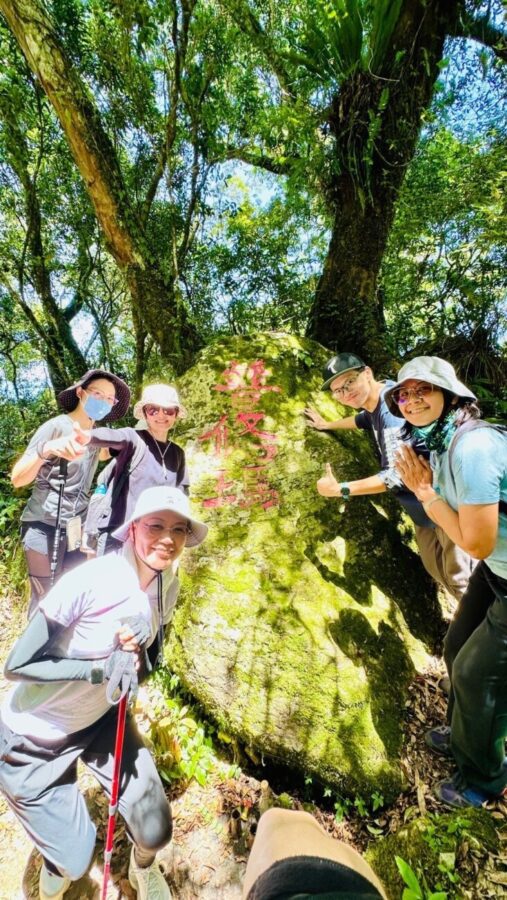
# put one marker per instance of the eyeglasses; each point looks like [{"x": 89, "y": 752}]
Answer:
[
  {"x": 345, "y": 388},
  {"x": 403, "y": 395},
  {"x": 101, "y": 396},
  {"x": 156, "y": 530},
  {"x": 166, "y": 410}
]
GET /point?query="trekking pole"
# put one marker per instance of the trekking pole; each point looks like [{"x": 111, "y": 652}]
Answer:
[
  {"x": 115, "y": 789},
  {"x": 62, "y": 477}
]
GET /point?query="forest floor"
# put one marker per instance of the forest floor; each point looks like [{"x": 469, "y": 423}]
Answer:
[{"x": 206, "y": 859}]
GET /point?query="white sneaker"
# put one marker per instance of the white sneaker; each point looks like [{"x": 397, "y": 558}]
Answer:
[
  {"x": 52, "y": 887},
  {"x": 149, "y": 883}
]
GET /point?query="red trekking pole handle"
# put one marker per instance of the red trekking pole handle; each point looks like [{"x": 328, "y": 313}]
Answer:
[{"x": 115, "y": 789}]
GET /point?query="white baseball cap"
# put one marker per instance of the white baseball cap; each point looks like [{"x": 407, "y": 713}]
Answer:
[{"x": 162, "y": 499}]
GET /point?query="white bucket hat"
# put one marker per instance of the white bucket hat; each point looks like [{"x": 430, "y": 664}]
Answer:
[
  {"x": 159, "y": 395},
  {"x": 162, "y": 499},
  {"x": 435, "y": 371}
]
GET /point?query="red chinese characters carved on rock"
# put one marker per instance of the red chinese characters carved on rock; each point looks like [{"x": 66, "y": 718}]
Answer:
[{"x": 245, "y": 383}]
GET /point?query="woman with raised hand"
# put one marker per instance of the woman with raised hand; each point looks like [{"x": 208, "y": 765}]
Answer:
[
  {"x": 466, "y": 495},
  {"x": 145, "y": 456},
  {"x": 52, "y": 519}
]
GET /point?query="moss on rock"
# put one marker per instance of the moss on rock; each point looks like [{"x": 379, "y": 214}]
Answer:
[
  {"x": 299, "y": 628},
  {"x": 431, "y": 845}
]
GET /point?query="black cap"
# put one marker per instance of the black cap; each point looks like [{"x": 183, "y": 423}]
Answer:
[{"x": 338, "y": 365}]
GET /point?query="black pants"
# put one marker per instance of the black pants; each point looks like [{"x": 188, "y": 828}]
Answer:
[
  {"x": 311, "y": 876},
  {"x": 476, "y": 658},
  {"x": 471, "y": 611}
]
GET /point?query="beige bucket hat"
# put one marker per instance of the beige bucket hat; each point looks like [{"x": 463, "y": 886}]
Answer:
[
  {"x": 159, "y": 395},
  {"x": 162, "y": 499}
]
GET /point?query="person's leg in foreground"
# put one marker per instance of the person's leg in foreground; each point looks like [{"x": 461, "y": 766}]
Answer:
[{"x": 289, "y": 847}]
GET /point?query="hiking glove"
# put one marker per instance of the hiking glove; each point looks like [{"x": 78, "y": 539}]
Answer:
[
  {"x": 120, "y": 671},
  {"x": 141, "y": 631}
]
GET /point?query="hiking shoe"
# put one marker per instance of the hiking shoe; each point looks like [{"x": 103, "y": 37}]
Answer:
[
  {"x": 454, "y": 793},
  {"x": 439, "y": 739},
  {"x": 52, "y": 887},
  {"x": 149, "y": 883}
]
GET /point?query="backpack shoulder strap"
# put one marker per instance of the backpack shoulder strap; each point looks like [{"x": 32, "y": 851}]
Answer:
[
  {"x": 471, "y": 425},
  {"x": 131, "y": 464}
]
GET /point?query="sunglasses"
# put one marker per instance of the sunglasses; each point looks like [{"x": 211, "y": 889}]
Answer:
[
  {"x": 403, "y": 395},
  {"x": 166, "y": 410}
]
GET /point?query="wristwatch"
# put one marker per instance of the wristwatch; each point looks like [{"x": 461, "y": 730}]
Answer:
[{"x": 344, "y": 491}]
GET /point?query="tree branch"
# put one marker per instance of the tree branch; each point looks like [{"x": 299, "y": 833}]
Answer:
[
  {"x": 248, "y": 24},
  {"x": 180, "y": 49},
  {"x": 90, "y": 145},
  {"x": 483, "y": 30},
  {"x": 282, "y": 166}
]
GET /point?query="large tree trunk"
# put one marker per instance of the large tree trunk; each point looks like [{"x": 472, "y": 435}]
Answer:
[
  {"x": 152, "y": 295},
  {"x": 375, "y": 119},
  {"x": 345, "y": 314}
]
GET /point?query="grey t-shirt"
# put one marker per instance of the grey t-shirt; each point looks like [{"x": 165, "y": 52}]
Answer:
[{"x": 43, "y": 503}]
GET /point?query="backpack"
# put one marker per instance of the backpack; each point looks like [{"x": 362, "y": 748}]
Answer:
[
  {"x": 101, "y": 506},
  {"x": 471, "y": 425}
]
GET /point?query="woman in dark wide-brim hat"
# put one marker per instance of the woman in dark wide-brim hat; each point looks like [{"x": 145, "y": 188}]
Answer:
[
  {"x": 98, "y": 395},
  {"x": 466, "y": 495}
]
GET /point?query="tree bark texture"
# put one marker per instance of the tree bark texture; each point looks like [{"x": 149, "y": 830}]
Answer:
[
  {"x": 375, "y": 119},
  {"x": 151, "y": 292}
]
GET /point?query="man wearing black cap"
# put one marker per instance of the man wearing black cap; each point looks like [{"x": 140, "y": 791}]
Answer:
[{"x": 353, "y": 383}]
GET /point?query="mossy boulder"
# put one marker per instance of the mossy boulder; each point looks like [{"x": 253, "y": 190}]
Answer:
[
  {"x": 434, "y": 846},
  {"x": 299, "y": 626}
]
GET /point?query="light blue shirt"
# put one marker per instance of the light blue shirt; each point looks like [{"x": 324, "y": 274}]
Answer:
[{"x": 479, "y": 476}]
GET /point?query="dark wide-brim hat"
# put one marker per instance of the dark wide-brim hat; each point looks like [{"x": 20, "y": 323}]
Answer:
[
  {"x": 68, "y": 398},
  {"x": 338, "y": 365}
]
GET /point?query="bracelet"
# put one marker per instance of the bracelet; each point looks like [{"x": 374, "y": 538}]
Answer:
[
  {"x": 345, "y": 491},
  {"x": 39, "y": 449},
  {"x": 429, "y": 503}
]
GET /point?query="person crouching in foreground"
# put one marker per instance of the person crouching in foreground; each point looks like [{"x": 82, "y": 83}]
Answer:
[{"x": 90, "y": 631}]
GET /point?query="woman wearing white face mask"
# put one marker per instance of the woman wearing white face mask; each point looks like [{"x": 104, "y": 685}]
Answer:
[
  {"x": 98, "y": 395},
  {"x": 145, "y": 456}
]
